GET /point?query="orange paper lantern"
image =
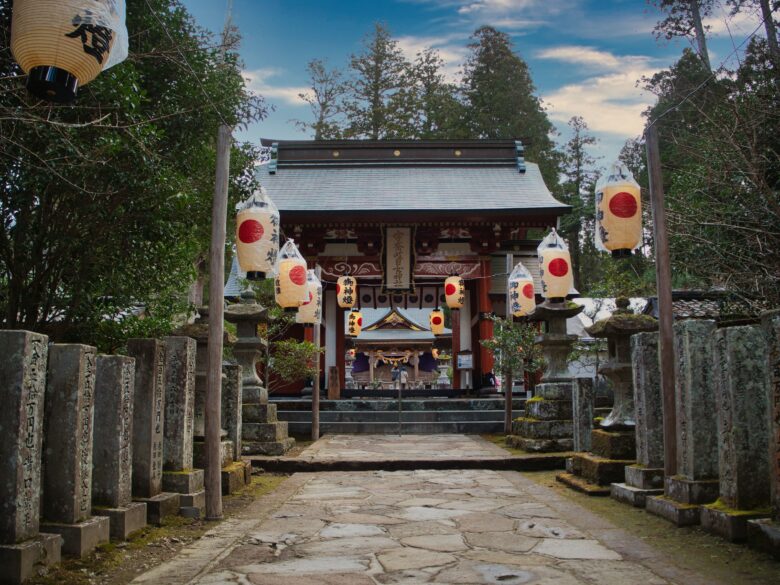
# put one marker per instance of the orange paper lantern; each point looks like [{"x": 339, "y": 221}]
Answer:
[
  {"x": 257, "y": 235},
  {"x": 354, "y": 323},
  {"x": 455, "y": 292},
  {"x": 346, "y": 292},
  {"x": 310, "y": 312},
  {"x": 436, "y": 320},
  {"x": 522, "y": 295},
  {"x": 291, "y": 289},
  {"x": 618, "y": 212},
  {"x": 555, "y": 266}
]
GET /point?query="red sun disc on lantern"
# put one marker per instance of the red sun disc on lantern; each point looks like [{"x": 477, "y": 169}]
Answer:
[
  {"x": 338, "y": 289},
  {"x": 558, "y": 267},
  {"x": 623, "y": 205},
  {"x": 298, "y": 275},
  {"x": 311, "y": 298},
  {"x": 250, "y": 231},
  {"x": 528, "y": 291},
  {"x": 436, "y": 321},
  {"x": 450, "y": 289},
  {"x": 360, "y": 322}
]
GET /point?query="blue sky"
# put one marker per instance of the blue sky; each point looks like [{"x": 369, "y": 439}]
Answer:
[{"x": 585, "y": 55}]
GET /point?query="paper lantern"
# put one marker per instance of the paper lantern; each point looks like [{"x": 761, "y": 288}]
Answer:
[
  {"x": 257, "y": 235},
  {"x": 310, "y": 312},
  {"x": 291, "y": 289},
  {"x": 618, "y": 212},
  {"x": 555, "y": 267},
  {"x": 354, "y": 323},
  {"x": 522, "y": 295},
  {"x": 437, "y": 321},
  {"x": 346, "y": 292},
  {"x": 64, "y": 44},
  {"x": 455, "y": 292}
]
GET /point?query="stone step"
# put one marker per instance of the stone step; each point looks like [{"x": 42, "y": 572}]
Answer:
[
  {"x": 266, "y": 413},
  {"x": 383, "y": 428},
  {"x": 265, "y": 432},
  {"x": 479, "y": 404},
  {"x": 430, "y": 416}
]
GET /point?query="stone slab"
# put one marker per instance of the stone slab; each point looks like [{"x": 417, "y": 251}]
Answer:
[
  {"x": 178, "y": 429},
  {"x": 148, "y": 416},
  {"x": 183, "y": 482},
  {"x": 199, "y": 454},
  {"x": 540, "y": 445},
  {"x": 270, "y": 449},
  {"x": 645, "y": 478},
  {"x": 22, "y": 392},
  {"x": 583, "y": 486},
  {"x": 543, "y": 409},
  {"x": 631, "y": 495},
  {"x": 112, "y": 444},
  {"x": 764, "y": 534},
  {"x": 731, "y": 525},
  {"x": 80, "y": 539},
  {"x": 554, "y": 390},
  {"x": 21, "y": 561},
  {"x": 232, "y": 411},
  {"x": 686, "y": 491},
  {"x": 196, "y": 500},
  {"x": 648, "y": 403},
  {"x": 67, "y": 439},
  {"x": 124, "y": 521},
  {"x": 770, "y": 323},
  {"x": 613, "y": 445},
  {"x": 542, "y": 429},
  {"x": 602, "y": 471},
  {"x": 234, "y": 477},
  {"x": 265, "y": 432},
  {"x": 160, "y": 506},
  {"x": 675, "y": 512},
  {"x": 582, "y": 413},
  {"x": 259, "y": 413}
]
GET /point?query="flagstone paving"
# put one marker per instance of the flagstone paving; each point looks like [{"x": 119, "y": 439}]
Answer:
[{"x": 420, "y": 526}]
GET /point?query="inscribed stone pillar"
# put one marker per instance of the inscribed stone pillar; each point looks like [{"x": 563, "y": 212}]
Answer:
[
  {"x": 648, "y": 402},
  {"x": 582, "y": 398},
  {"x": 22, "y": 391},
  {"x": 771, "y": 326},
  {"x": 67, "y": 454},
  {"x": 741, "y": 380},
  {"x": 148, "y": 416},
  {"x": 179, "y": 403},
  {"x": 232, "y": 406}
]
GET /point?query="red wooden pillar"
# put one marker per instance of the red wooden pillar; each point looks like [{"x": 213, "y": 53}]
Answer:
[
  {"x": 485, "y": 307},
  {"x": 308, "y": 334},
  {"x": 456, "y": 381},
  {"x": 340, "y": 347}
]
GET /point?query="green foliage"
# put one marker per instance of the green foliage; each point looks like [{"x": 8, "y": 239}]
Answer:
[
  {"x": 106, "y": 203},
  {"x": 514, "y": 347},
  {"x": 293, "y": 361}
]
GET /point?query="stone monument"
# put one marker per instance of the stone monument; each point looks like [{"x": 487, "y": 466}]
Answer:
[
  {"x": 148, "y": 426},
  {"x": 263, "y": 433},
  {"x": 696, "y": 482},
  {"x": 646, "y": 477},
  {"x": 112, "y": 447},
  {"x": 22, "y": 392},
  {"x": 741, "y": 381},
  {"x": 547, "y": 424},
  {"x": 178, "y": 433},
  {"x": 765, "y": 533},
  {"x": 239, "y": 472},
  {"x": 66, "y": 503},
  {"x": 613, "y": 443}
]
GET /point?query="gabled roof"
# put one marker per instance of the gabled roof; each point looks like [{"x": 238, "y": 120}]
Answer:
[
  {"x": 395, "y": 319},
  {"x": 396, "y": 325}
]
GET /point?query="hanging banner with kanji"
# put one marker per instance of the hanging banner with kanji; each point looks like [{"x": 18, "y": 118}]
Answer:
[{"x": 398, "y": 259}]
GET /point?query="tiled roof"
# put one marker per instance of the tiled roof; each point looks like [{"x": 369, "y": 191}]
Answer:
[{"x": 408, "y": 188}]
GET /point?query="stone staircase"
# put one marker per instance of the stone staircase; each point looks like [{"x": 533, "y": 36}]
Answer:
[{"x": 460, "y": 415}]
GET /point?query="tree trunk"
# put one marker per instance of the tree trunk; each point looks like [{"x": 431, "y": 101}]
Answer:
[
  {"x": 508, "y": 403},
  {"x": 701, "y": 40},
  {"x": 771, "y": 32}
]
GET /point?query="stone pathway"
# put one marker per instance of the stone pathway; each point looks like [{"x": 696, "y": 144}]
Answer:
[{"x": 422, "y": 526}]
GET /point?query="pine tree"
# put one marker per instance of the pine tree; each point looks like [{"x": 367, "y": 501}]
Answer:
[{"x": 325, "y": 100}]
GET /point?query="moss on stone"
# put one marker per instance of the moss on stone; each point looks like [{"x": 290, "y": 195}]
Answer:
[
  {"x": 535, "y": 399},
  {"x": 720, "y": 506}
]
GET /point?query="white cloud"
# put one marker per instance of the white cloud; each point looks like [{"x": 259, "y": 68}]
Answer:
[
  {"x": 257, "y": 82},
  {"x": 740, "y": 25},
  {"x": 496, "y": 6},
  {"x": 594, "y": 58}
]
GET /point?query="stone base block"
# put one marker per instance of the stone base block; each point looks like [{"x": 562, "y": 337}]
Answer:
[
  {"x": 612, "y": 444},
  {"x": 80, "y": 539},
  {"x": 22, "y": 561},
  {"x": 570, "y": 466},
  {"x": 542, "y": 429},
  {"x": 764, "y": 534},
  {"x": 234, "y": 476},
  {"x": 689, "y": 491},
  {"x": 631, "y": 495},
  {"x": 124, "y": 521},
  {"x": 540, "y": 445},
  {"x": 581, "y": 485},
  {"x": 183, "y": 482},
  {"x": 160, "y": 506},
  {"x": 601, "y": 471},
  {"x": 677, "y": 513},
  {"x": 730, "y": 524},
  {"x": 645, "y": 478},
  {"x": 543, "y": 409},
  {"x": 269, "y": 449},
  {"x": 259, "y": 413},
  {"x": 265, "y": 432},
  {"x": 226, "y": 455},
  {"x": 554, "y": 390}
]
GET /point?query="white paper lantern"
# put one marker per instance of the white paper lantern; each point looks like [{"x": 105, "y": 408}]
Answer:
[
  {"x": 555, "y": 266},
  {"x": 346, "y": 292},
  {"x": 354, "y": 323},
  {"x": 522, "y": 296},
  {"x": 257, "y": 235},
  {"x": 291, "y": 290},
  {"x": 455, "y": 292},
  {"x": 310, "y": 312},
  {"x": 618, "y": 212},
  {"x": 64, "y": 44},
  {"x": 436, "y": 321}
]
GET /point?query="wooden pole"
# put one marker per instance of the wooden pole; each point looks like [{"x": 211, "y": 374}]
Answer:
[
  {"x": 508, "y": 374},
  {"x": 216, "y": 327},
  {"x": 663, "y": 273},
  {"x": 315, "y": 394}
]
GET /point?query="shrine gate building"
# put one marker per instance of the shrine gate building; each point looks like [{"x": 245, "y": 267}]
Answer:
[{"x": 401, "y": 216}]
